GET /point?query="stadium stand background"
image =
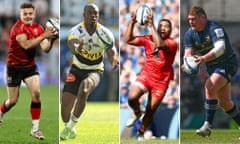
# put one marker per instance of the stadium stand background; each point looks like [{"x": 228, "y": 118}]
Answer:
[
  {"x": 9, "y": 14},
  {"x": 192, "y": 94}
]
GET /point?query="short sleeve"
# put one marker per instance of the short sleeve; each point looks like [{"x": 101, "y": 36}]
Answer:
[
  {"x": 172, "y": 45},
  {"x": 19, "y": 29},
  {"x": 217, "y": 34}
]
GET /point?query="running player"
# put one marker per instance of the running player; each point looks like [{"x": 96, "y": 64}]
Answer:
[
  {"x": 210, "y": 40},
  {"x": 88, "y": 41},
  {"x": 25, "y": 36},
  {"x": 160, "y": 50}
]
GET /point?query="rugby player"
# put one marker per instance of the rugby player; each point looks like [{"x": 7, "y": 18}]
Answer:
[
  {"x": 160, "y": 51},
  {"x": 210, "y": 41},
  {"x": 25, "y": 36},
  {"x": 88, "y": 41}
]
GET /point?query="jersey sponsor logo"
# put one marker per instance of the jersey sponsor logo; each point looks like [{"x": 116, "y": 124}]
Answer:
[
  {"x": 208, "y": 38},
  {"x": 204, "y": 48},
  {"x": 70, "y": 78},
  {"x": 92, "y": 56},
  {"x": 219, "y": 32},
  {"x": 35, "y": 31}
]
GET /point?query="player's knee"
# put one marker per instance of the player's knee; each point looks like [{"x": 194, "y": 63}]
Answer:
[
  {"x": 88, "y": 85},
  {"x": 132, "y": 97},
  {"x": 36, "y": 94},
  {"x": 210, "y": 88}
]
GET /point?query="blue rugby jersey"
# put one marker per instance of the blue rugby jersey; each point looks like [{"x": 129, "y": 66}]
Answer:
[{"x": 203, "y": 42}]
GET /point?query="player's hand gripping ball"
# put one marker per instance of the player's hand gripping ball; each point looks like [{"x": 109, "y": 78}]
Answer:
[
  {"x": 191, "y": 67},
  {"x": 142, "y": 14}
]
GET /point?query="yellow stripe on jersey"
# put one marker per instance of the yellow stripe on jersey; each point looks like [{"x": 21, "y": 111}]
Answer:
[{"x": 73, "y": 37}]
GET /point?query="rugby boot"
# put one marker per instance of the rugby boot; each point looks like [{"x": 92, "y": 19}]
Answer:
[
  {"x": 140, "y": 137},
  {"x": 205, "y": 130},
  {"x": 37, "y": 134},
  {"x": 67, "y": 133},
  {"x": 131, "y": 121}
]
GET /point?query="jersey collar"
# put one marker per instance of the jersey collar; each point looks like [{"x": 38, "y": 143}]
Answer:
[{"x": 84, "y": 26}]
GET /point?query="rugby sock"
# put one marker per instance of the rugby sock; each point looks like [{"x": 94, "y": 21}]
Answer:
[
  {"x": 235, "y": 114},
  {"x": 35, "y": 111},
  {"x": 3, "y": 107},
  {"x": 35, "y": 125},
  {"x": 141, "y": 130},
  {"x": 72, "y": 122},
  {"x": 210, "y": 108},
  {"x": 137, "y": 112}
]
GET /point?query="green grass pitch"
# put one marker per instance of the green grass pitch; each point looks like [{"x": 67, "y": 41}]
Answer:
[
  {"x": 99, "y": 124},
  {"x": 218, "y": 136},
  {"x": 17, "y": 122}
]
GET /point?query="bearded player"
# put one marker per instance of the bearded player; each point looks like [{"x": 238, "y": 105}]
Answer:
[
  {"x": 160, "y": 51},
  {"x": 88, "y": 41},
  {"x": 25, "y": 36}
]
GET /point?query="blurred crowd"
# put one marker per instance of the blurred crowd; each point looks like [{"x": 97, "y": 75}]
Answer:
[
  {"x": 8, "y": 18},
  {"x": 132, "y": 58}
]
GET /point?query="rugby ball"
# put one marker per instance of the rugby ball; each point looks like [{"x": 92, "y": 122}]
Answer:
[
  {"x": 142, "y": 14},
  {"x": 53, "y": 22},
  {"x": 191, "y": 67}
]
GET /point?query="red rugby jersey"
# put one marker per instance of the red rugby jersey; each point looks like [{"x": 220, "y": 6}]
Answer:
[
  {"x": 159, "y": 66},
  {"x": 17, "y": 56}
]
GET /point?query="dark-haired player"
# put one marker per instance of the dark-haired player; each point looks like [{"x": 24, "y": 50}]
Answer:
[
  {"x": 160, "y": 50},
  {"x": 25, "y": 36}
]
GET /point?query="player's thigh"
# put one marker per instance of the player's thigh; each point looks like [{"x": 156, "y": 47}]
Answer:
[
  {"x": 215, "y": 82},
  {"x": 159, "y": 89},
  {"x": 137, "y": 89},
  {"x": 224, "y": 97},
  {"x": 90, "y": 83}
]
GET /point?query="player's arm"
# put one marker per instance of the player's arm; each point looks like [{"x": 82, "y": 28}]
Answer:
[
  {"x": 26, "y": 43},
  {"x": 129, "y": 37},
  {"x": 217, "y": 51},
  {"x": 46, "y": 44},
  {"x": 188, "y": 52},
  {"x": 188, "y": 48},
  {"x": 75, "y": 44},
  {"x": 219, "y": 46},
  {"x": 113, "y": 57}
]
